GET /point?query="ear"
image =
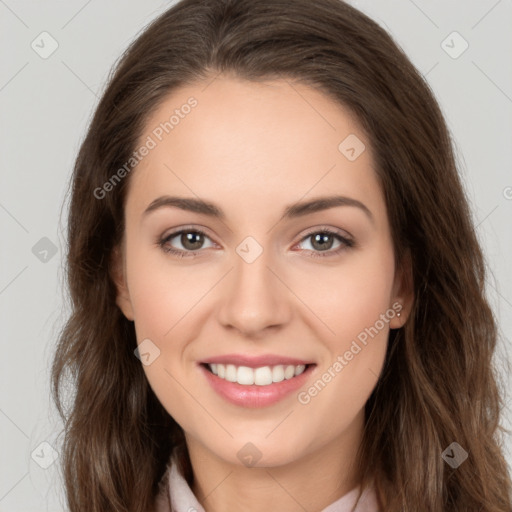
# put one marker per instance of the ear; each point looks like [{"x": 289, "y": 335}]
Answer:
[
  {"x": 118, "y": 274},
  {"x": 403, "y": 292}
]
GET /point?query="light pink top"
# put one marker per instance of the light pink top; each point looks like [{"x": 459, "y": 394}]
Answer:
[{"x": 177, "y": 496}]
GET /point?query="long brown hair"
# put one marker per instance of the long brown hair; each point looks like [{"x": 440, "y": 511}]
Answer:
[{"x": 438, "y": 384}]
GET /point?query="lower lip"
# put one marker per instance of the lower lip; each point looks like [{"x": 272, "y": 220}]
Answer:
[{"x": 254, "y": 396}]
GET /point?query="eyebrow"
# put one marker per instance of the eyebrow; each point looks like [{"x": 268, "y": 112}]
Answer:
[{"x": 290, "y": 212}]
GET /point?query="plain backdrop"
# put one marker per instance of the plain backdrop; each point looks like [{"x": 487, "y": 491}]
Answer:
[{"x": 55, "y": 57}]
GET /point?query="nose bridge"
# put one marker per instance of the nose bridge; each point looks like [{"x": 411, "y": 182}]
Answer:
[{"x": 254, "y": 298}]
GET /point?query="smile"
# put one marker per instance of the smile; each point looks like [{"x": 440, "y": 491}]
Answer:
[
  {"x": 262, "y": 376},
  {"x": 256, "y": 387}
]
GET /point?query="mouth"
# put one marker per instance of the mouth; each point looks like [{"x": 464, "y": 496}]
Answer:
[
  {"x": 259, "y": 376},
  {"x": 256, "y": 386}
]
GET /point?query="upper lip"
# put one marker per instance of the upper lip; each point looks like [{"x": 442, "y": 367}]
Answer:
[{"x": 255, "y": 361}]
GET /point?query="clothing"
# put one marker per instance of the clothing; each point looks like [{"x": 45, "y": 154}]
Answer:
[{"x": 177, "y": 496}]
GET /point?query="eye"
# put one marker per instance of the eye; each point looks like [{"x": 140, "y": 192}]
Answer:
[
  {"x": 191, "y": 240},
  {"x": 322, "y": 242}
]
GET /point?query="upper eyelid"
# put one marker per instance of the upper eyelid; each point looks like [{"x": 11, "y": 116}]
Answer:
[
  {"x": 335, "y": 231},
  {"x": 187, "y": 229}
]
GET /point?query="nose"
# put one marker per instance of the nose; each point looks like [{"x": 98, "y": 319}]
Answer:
[{"x": 255, "y": 297}]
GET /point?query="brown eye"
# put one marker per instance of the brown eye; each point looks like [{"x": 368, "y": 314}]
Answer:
[
  {"x": 322, "y": 242},
  {"x": 191, "y": 240},
  {"x": 184, "y": 243}
]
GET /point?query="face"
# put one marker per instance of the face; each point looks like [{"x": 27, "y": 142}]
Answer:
[{"x": 255, "y": 278}]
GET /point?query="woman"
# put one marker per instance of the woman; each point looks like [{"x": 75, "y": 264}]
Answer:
[{"x": 277, "y": 290}]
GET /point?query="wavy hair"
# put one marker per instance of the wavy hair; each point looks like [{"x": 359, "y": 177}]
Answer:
[{"x": 438, "y": 384}]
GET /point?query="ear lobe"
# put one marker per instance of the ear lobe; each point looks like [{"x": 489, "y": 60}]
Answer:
[
  {"x": 117, "y": 273},
  {"x": 404, "y": 292}
]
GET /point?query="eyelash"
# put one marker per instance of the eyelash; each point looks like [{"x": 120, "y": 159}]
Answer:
[{"x": 347, "y": 243}]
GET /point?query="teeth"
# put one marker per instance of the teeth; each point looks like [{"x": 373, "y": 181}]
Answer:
[
  {"x": 262, "y": 376},
  {"x": 231, "y": 373},
  {"x": 278, "y": 373},
  {"x": 299, "y": 369},
  {"x": 245, "y": 375}
]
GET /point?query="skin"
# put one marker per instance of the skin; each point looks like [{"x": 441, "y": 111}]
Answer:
[{"x": 252, "y": 149}]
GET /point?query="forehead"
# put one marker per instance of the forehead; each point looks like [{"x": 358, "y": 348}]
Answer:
[{"x": 244, "y": 140}]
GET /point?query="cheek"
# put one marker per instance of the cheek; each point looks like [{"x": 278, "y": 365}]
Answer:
[
  {"x": 354, "y": 301},
  {"x": 351, "y": 296},
  {"x": 162, "y": 294},
  {"x": 163, "y": 299},
  {"x": 166, "y": 304}
]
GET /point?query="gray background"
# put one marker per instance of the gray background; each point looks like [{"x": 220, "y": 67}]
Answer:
[{"x": 46, "y": 104}]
